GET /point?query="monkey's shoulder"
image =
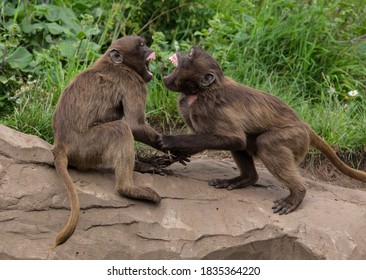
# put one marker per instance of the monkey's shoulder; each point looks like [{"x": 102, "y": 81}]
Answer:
[{"x": 88, "y": 79}]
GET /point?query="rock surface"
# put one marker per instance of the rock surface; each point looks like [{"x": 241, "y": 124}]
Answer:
[{"x": 193, "y": 221}]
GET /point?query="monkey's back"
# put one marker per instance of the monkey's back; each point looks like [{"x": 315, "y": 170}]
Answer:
[{"x": 232, "y": 106}]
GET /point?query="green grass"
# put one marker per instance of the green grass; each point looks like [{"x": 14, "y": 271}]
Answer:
[{"x": 308, "y": 53}]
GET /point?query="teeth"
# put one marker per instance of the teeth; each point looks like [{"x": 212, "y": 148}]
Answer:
[
  {"x": 174, "y": 59},
  {"x": 151, "y": 56}
]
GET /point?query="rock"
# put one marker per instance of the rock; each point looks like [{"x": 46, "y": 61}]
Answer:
[
  {"x": 23, "y": 147},
  {"x": 193, "y": 220}
]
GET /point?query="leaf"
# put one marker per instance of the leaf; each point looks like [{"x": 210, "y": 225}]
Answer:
[
  {"x": 68, "y": 48},
  {"x": 81, "y": 6},
  {"x": 69, "y": 19},
  {"x": 52, "y": 12},
  {"x": 48, "y": 39},
  {"x": 55, "y": 28},
  {"x": 20, "y": 58},
  {"x": 3, "y": 80},
  {"x": 92, "y": 31},
  {"x": 28, "y": 27},
  {"x": 81, "y": 35},
  {"x": 66, "y": 15},
  {"x": 248, "y": 18},
  {"x": 9, "y": 10}
]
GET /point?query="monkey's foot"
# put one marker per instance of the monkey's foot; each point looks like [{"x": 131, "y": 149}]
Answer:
[
  {"x": 143, "y": 193},
  {"x": 233, "y": 183},
  {"x": 287, "y": 204}
]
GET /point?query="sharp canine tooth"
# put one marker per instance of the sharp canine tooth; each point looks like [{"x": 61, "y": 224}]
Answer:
[
  {"x": 151, "y": 56},
  {"x": 174, "y": 59}
]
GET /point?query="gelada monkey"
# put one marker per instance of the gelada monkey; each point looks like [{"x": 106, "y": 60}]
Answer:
[
  {"x": 225, "y": 115},
  {"x": 88, "y": 129}
]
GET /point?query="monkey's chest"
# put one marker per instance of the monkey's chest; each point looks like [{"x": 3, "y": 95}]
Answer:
[{"x": 202, "y": 123}]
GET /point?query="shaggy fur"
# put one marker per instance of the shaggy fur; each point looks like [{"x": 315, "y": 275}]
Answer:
[
  {"x": 225, "y": 115},
  {"x": 88, "y": 129}
]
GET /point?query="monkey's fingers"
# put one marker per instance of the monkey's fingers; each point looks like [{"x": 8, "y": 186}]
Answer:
[
  {"x": 163, "y": 161},
  {"x": 285, "y": 205},
  {"x": 181, "y": 158}
]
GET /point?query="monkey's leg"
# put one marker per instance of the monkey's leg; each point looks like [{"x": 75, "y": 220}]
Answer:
[
  {"x": 124, "y": 163},
  {"x": 248, "y": 174},
  {"x": 276, "y": 152},
  {"x": 113, "y": 143},
  {"x": 292, "y": 179}
]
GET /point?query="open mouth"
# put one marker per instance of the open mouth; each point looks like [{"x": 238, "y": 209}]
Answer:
[
  {"x": 174, "y": 59},
  {"x": 147, "y": 61}
]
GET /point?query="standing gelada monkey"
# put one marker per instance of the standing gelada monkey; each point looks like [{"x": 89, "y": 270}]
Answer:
[
  {"x": 225, "y": 115},
  {"x": 88, "y": 129}
]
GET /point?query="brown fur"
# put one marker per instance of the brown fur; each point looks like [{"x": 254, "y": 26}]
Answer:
[
  {"x": 88, "y": 129},
  {"x": 226, "y": 115}
]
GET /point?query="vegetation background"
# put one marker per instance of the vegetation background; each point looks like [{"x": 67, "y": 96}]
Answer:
[{"x": 311, "y": 54}]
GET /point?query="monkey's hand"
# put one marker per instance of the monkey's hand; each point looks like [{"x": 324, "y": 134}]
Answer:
[
  {"x": 167, "y": 145},
  {"x": 179, "y": 157}
]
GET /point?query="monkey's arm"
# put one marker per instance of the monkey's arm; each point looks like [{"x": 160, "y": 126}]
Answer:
[
  {"x": 142, "y": 131},
  {"x": 146, "y": 134},
  {"x": 134, "y": 113},
  {"x": 195, "y": 143}
]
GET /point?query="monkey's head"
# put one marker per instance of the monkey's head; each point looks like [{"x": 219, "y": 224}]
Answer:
[
  {"x": 132, "y": 52},
  {"x": 194, "y": 72}
]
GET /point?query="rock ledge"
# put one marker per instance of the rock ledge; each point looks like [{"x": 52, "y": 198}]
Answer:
[{"x": 193, "y": 221}]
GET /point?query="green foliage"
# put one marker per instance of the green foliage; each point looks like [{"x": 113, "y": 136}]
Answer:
[
  {"x": 309, "y": 53},
  {"x": 35, "y": 38},
  {"x": 301, "y": 42}
]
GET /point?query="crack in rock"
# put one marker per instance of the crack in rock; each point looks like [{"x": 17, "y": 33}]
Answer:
[
  {"x": 111, "y": 225},
  {"x": 151, "y": 238}
]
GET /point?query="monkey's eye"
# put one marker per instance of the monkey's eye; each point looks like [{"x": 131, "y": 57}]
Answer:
[{"x": 142, "y": 44}]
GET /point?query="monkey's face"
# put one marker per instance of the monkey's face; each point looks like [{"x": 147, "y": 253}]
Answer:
[
  {"x": 194, "y": 72},
  {"x": 132, "y": 52}
]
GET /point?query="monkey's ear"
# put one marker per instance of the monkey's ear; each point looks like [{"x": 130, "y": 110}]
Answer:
[
  {"x": 190, "y": 54},
  {"x": 116, "y": 56},
  {"x": 208, "y": 79}
]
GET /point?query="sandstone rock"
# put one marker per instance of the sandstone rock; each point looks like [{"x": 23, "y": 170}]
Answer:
[
  {"x": 23, "y": 147},
  {"x": 193, "y": 221}
]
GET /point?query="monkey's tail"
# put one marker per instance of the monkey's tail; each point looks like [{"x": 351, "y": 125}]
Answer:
[
  {"x": 65, "y": 233},
  {"x": 318, "y": 143}
]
